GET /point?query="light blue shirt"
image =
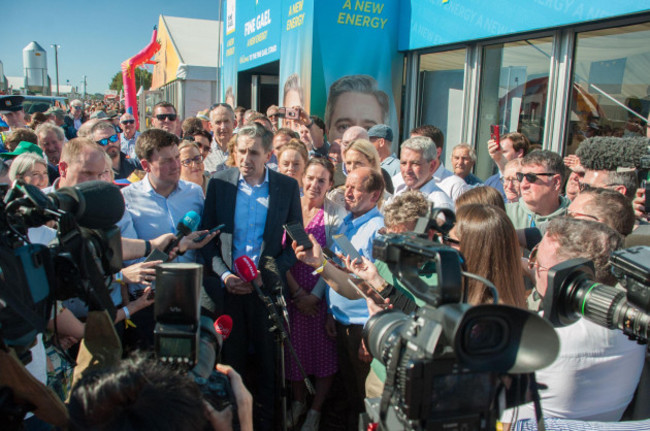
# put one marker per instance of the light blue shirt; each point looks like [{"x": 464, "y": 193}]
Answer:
[
  {"x": 251, "y": 207},
  {"x": 128, "y": 145},
  {"x": 152, "y": 214},
  {"x": 391, "y": 165},
  {"x": 361, "y": 231}
]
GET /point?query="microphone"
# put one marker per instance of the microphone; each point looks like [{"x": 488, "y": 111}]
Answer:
[
  {"x": 95, "y": 204},
  {"x": 186, "y": 226},
  {"x": 223, "y": 326},
  {"x": 272, "y": 279},
  {"x": 247, "y": 270}
]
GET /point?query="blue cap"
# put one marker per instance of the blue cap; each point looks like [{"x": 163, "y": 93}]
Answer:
[{"x": 381, "y": 131}]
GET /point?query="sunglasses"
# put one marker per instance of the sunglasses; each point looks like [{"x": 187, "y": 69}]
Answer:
[
  {"x": 76, "y": 107},
  {"x": 163, "y": 117},
  {"x": 104, "y": 142},
  {"x": 532, "y": 177},
  {"x": 197, "y": 160},
  {"x": 127, "y": 121}
]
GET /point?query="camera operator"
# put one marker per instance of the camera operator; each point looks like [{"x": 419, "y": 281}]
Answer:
[
  {"x": 597, "y": 369},
  {"x": 144, "y": 394}
]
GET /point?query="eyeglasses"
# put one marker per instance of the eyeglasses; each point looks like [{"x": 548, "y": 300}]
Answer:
[
  {"x": 127, "y": 122},
  {"x": 163, "y": 117},
  {"x": 532, "y": 177},
  {"x": 104, "y": 142},
  {"x": 76, "y": 107},
  {"x": 197, "y": 160},
  {"x": 574, "y": 214},
  {"x": 505, "y": 180},
  {"x": 584, "y": 187},
  {"x": 532, "y": 260}
]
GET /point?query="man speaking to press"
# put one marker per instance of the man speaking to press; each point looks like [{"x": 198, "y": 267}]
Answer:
[{"x": 253, "y": 202}]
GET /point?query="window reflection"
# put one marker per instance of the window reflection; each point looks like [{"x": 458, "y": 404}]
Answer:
[
  {"x": 513, "y": 93},
  {"x": 611, "y": 84},
  {"x": 442, "y": 77}
]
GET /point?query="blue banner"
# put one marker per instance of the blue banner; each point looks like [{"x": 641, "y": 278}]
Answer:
[
  {"x": 426, "y": 23},
  {"x": 357, "y": 69},
  {"x": 296, "y": 53}
]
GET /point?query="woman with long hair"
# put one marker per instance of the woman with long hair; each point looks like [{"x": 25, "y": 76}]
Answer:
[{"x": 487, "y": 239}]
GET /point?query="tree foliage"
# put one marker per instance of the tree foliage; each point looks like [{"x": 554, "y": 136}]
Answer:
[{"x": 142, "y": 78}]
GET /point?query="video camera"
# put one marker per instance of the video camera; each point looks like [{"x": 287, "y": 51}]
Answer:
[
  {"x": 78, "y": 263},
  {"x": 450, "y": 365},
  {"x": 572, "y": 293},
  {"x": 184, "y": 338}
]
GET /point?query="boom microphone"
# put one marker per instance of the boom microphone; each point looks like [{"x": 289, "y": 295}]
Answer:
[
  {"x": 95, "y": 204},
  {"x": 186, "y": 226}
]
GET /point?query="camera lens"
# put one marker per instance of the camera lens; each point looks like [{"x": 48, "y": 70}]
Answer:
[
  {"x": 382, "y": 331},
  {"x": 484, "y": 335}
]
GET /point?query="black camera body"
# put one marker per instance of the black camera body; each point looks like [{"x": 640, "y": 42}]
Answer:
[
  {"x": 449, "y": 364},
  {"x": 572, "y": 293},
  {"x": 86, "y": 252},
  {"x": 186, "y": 340}
]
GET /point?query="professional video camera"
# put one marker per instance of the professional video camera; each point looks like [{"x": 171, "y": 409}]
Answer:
[
  {"x": 185, "y": 337},
  {"x": 572, "y": 293},
  {"x": 78, "y": 263},
  {"x": 450, "y": 365}
]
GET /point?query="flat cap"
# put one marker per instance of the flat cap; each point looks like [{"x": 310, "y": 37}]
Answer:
[{"x": 381, "y": 131}]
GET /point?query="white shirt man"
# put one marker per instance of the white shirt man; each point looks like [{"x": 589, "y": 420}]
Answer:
[
  {"x": 222, "y": 125},
  {"x": 417, "y": 171}
]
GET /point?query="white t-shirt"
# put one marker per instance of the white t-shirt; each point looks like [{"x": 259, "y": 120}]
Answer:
[{"x": 593, "y": 378}]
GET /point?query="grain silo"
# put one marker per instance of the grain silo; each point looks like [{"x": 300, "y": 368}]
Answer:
[{"x": 35, "y": 65}]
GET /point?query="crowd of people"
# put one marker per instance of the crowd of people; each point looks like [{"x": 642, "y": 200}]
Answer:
[{"x": 255, "y": 172}]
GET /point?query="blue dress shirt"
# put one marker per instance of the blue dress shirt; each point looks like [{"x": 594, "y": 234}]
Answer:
[
  {"x": 251, "y": 207},
  {"x": 361, "y": 231},
  {"x": 152, "y": 214}
]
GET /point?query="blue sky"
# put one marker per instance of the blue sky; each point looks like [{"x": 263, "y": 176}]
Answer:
[{"x": 95, "y": 36}]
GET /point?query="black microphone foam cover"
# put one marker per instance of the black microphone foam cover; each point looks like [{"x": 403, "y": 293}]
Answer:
[
  {"x": 271, "y": 277},
  {"x": 96, "y": 204}
]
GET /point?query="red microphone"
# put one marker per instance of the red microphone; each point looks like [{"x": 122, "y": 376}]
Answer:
[
  {"x": 223, "y": 326},
  {"x": 247, "y": 270}
]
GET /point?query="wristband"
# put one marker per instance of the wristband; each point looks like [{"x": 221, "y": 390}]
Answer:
[
  {"x": 127, "y": 314},
  {"x": 147, "y": 247},
  {"x": 320, "y": 268}
]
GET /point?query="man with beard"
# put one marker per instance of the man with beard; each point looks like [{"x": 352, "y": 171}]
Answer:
[{"x": 104, "y": 135}]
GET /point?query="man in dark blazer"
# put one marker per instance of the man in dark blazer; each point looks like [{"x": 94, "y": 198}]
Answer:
[{"x": 253, "y": 202}]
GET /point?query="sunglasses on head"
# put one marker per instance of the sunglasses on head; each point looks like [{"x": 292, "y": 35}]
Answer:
[
  {"x": 162, "y": 117},
  {"x": 532, "y": 177},
  {"x": 104, "y": 142},
  {"x": 127, "y": 121}
]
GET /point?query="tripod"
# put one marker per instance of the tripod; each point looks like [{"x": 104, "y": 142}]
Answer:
[{"x": 282, "y": 338}]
